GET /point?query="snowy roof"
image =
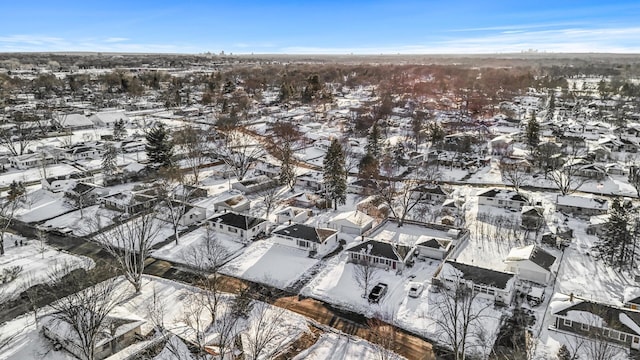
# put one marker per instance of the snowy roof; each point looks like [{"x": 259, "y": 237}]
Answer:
[
  {"x": 357, "y": 218},
  {"x": 598, "y": 314},
  {"x": 305, "y": 232},
  {"x": 108, "y": 117},
  {"x": 74, "y": 120},
  {"x": 505, "y": 194},
  {"x": 477, "y": 275},
  {"x": 534, "y": 253},
  {"x": 582, "y": 202},
  {"x": 631, "y": 295},
  {"x": 239, "y": 221},
  {"x": 381, "y": 249}
]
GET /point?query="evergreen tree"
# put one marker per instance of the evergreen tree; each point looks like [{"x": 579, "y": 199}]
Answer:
[
  {"x": 551, "y": 106},
  {"x": 533, "y": 132},
  {"x": 118, "y": 130},
  {"x": 109, "y": 165},
  {"x": 159, "y": 146},
  {"x": 374, "y": 144},
  {"x": 615, "y": 244},
  {"x": 369, "y": 167},
  {"x": 287, "y": 168},
  {"x": 563, "y": 353},
  {"x": 16, "y": 190},
  {"x": 335, "y": 174}
]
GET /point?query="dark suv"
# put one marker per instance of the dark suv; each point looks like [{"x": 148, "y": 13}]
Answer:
[{"x": 377, "y": 292}]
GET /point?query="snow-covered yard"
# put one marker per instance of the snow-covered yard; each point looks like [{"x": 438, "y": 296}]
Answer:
[
  {"x": 169, "y": 301},
  {"x": 38, "y": 262},
  {"x": 188, "y": 243},
  {"x": 85, "y": 221},
  {"x": 41, "y": 205},
  {"x": 273, "y": 264},
  {"x": 332, "y": 346}
]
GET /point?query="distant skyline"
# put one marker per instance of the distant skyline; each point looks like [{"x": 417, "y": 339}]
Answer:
[{"x": 321, "y": 27}]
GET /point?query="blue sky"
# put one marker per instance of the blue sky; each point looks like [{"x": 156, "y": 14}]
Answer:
[{"x": 323, "y": 27}]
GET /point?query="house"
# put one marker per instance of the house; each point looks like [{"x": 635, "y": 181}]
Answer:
[
  {"x": 307, "y": 200},
  {"x": 531, "y": 263},
  {"x": 431, "y": 193},
  {"x": 373, "y": 206},
  {"x": 184, "y": 192},
  {"x": 235, "y": 202},
  {"x": 85, "y": 194},
  {"x": 532, "y": 217},
  {"x": 253, "y": 185},
  {"x": 83, "y": 152},
  {"x": 242, "y": 226},
  {"x": 315, "y": 240},
  {"x": 192, "y": 214},
  {"x": 130, "y": 202},
  {"x": 433, "y": 248},
  {"x": 381, "y": 254},
  {"x": 121, "y": 333},
  {"x": 364, "y": 187},
  {"x": 313, "y": 180},
  {"x": 491, "y": 284},
  {"x": 591, "y": 171},
  {"x": 64, "y": 182},
  {"x": 292, "y": 214},
  {"x": 581, "y": 205},
  {"x": 631, "y": 298},
  {"x": 108, "y": 118},
  {"x": 72, "y": 122},
  {"x": 28, "y": 161},
  {"x": 585, "y": 317},
  {"x": 503, "y": 198},
  {"x": 351, "y": 222}
]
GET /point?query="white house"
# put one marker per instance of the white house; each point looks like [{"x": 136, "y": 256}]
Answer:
[
  {"x": 235, "y": 202},
  {"x": 433, "y": 248},
  {"x": 491, "y": 284},
  {"x": 64, "y": 182},
  {"x": 73, "y": 121},
  {"x": 503, "y": 198},
  {"x": 28, "y": 161},
  {"x": 241, "y": 226},
  {"x": 83, "y": 152},
  {"x": 531, "y": 263},
  {"x": 581, "y": 205},
  {"x": 351, "y": 222},
  {"x": 382, "y": 254},
  {"x": 193, "y": 214},
  {"x": 292, "y": 214},
  {"x": 316, "y": 240}
]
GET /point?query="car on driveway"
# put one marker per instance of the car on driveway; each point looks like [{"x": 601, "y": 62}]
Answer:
[
  {"x": 415, "y": 289},
  {"x": 377, "y": 292}
]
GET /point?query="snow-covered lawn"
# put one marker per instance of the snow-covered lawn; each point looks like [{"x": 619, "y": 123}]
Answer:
[
  {"x": 85, "y": 221},
  {"x": 38, "y": 261},
  {"x": 332, "y": 346},
  {"x": 41, "y": 205},
  {"x": 169, "y": 301},
  {"x": 191, "y": 242},
  {"x": 273, "y": 264},
  {"x": 161, "y": 230}
]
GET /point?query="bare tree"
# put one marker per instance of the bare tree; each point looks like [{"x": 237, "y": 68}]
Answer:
[
  {"x": 263, "y": 333},
  {"x": 238, "y": 150},
  {"x": 8, "y": 207},
  {"x": 402, "y": 196},
  {"x": 194, "y": 319},
  {"x": 192, "y": 143},
  {"x": 567, "y": 179},
  {"x": 458, "y": 318},
  {"x": 269, "y": 198},
  {"x": 364, "y": 273},
  {"x": 85, "y": 311},
  {"x": 130, "y": 243},
  {"x": 514, "y": 174},
  {"x": 385, "y": 337},
  {"x": 23, "y": 131}
]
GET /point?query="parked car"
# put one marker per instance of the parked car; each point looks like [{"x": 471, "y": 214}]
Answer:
[
  {"x": 62, "y": 231},
  {"x": 415, "y": 289},
  {"x": 377, "y": 292}
]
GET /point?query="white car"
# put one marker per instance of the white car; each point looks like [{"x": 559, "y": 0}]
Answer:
[{"x": 415, "y": 289}]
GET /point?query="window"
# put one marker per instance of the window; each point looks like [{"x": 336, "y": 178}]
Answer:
[
  {"x": 491, "y": 292},
  {"x": 567, "y": 322},
  {"x": 303, "y": 243},
  {"x": 233, "y": 230},
  {"x": 614, "y": 334},
  {"x": 623, "y": 337},
  {"x": 584, "y": 327},
  {"x": 636, "y": 340},
  {"x": 605, "y": 332}
]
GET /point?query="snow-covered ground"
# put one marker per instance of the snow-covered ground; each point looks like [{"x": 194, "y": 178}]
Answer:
[
  {"x": 39, "y": 263},
  {"x": 332, "y": 346},
  {"x": 269, "y": 263},
  {"x": 85, "y": 221},
  {"x": 188, "y": 243},
  {"x": 169, "y": 301},
  {"x": 41, "y": 205}
]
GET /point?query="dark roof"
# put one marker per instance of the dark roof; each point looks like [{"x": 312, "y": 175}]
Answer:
[
  {"x": 305, "y": 232},
  {"x": 542, "y": 258},
  {"x": 429, "y": 189},
  {"x": 494, "y": 192},
  {"x": 83, "y": 188},
  {"x": 381, "y": 249},
  {"x": 482, "y": 276},
  {"x": 610, "y": 314},
  {"x": 239, "y": 221},
  {"x": 435, "y": 243}
]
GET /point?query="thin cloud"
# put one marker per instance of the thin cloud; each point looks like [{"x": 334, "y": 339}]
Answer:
[{"x": 115, "y": 39}]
